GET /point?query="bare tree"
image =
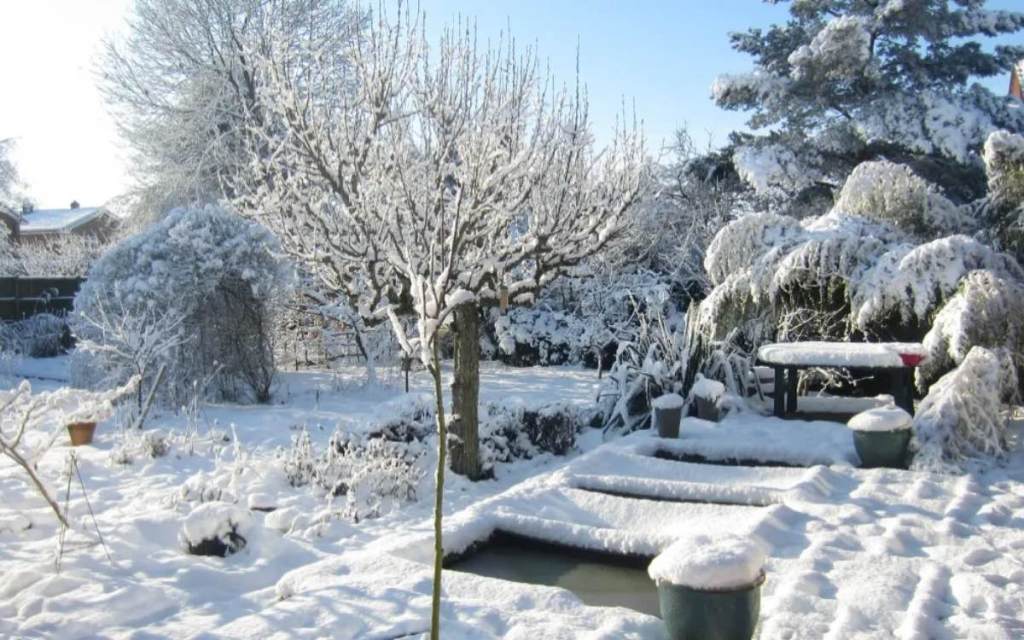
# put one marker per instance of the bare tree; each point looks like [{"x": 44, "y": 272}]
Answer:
[
  {"x": 436, "y": 181},
  {"x": 182, "y": 84}
]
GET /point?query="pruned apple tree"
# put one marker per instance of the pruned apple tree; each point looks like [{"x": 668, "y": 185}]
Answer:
[{"x": 433, "y": 181}]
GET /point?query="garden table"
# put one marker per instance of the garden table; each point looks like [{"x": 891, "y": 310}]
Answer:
[{"x": 897, "y": 359}]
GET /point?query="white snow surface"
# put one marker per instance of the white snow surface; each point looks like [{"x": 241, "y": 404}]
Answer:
[
  {"x": 668, "y": 401},
  {"x": 839, "y": 354},
  {"x": 707, "y": 564},
  {"x": 881, "y": 419},
  {"x": 850, "y": 553},
  {"x": 707, "y": 388}
]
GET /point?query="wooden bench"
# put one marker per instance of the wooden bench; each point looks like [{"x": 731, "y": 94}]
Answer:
[{"x": 895, "y": 359}]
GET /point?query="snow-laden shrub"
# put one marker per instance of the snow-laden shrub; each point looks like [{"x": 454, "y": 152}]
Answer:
[
  {"x": 963, "y": 416},
  {"x": 911, "y": 282},
  {"x": 888, "y": 192},
  {"x": 1004, "y": 166},
  {"x": 987, "y": 311},
  {"x": 376, "y": 476},
  {"x": 40, "y": 336},
  {"x": 214, "y": 275},
  {"x": 215, "y": 529},
  {"x": 739, "y": 244},
  {"x": 529, "y": 336}
]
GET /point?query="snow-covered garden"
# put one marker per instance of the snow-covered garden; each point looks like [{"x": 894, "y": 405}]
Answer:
[{"x": 405, "y": 351}]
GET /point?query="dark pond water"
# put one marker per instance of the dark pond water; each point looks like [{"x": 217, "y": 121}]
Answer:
[{"x": 597, "y": 579}]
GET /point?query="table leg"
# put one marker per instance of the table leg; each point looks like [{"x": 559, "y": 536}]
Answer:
[
  {"x": 904, "y": 388},
  {"x": 791, "y": 379},
  {"x": 777, "y": 394}
]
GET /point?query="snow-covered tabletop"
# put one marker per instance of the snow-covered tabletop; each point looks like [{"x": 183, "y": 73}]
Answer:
[{"x": 839, "y": 354}]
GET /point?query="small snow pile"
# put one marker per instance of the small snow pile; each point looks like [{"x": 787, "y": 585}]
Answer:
[
  {"x": 881, "y": 419},
  {"x": 962, "y": 417},
  {"x": 709, "y": 565},
  {"x": 670, "y": 401},
  {"x": 215, "y": 529},
  {"x": 708, "y": 389}
]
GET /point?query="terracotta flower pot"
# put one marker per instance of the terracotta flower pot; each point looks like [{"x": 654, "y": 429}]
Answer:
[{"x": 81, "y": 432}]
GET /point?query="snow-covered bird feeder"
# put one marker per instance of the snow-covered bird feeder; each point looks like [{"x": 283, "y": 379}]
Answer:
[
  {"x": 668, "y": 412},
  {"x": 707, "y": 393},
  {"x": 881, "y": 436},
  {"x": 709, "y": 588}
]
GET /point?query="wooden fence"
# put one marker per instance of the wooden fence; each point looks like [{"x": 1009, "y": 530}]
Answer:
[{"x": 24, "y": 297}]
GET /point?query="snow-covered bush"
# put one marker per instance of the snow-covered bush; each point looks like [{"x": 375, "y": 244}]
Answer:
[
  {"x": 1004, "y": 165},
  {"x": 213, "y": 277},
  {"x": 40, "y": 336},
  {"x": 741, "y": 242},
  {"x": 69, "y": 256},
  {"x": 912, "y": 282},
  {"x": 887, "y": 192},
  {"x": 987, "y": 311},
  {"x": 215, "y": 529},
  {"x": 964, "y": 417},
  {"x": 530, "y": 336}
]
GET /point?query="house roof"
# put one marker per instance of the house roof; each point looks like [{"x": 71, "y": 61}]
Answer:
[{"x": 57, "y": 220}]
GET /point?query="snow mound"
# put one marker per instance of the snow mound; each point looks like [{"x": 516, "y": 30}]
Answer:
[
  {"x": 216, "y": 528},
  {"x": 707, "y": 388},
  {"x": 881, "y": 419},
  {"x": 668, "y": 401},
  {"x": 709, "y": 565}
]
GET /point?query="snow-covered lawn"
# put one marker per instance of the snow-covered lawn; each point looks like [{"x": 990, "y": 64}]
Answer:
[{"x": 851, "y": 553}]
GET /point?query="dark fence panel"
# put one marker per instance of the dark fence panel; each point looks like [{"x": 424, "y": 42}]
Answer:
[{"x": 24, "y": 297}]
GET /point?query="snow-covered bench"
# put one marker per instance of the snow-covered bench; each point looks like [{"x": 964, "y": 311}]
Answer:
[{"x": 897, "y": 359}]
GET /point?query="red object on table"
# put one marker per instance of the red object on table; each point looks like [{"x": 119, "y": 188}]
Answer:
[{"x": 911, "y": 359}]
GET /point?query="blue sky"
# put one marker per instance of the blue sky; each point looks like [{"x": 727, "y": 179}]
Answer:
[{"x": 658, "y": 55}]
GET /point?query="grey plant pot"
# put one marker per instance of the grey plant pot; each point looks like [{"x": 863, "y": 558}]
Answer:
[
  {"x": 708, "y": 409},
  {"x": 693, "y": 614},
  {"x": 882, "y": 448},
  {"x": 666, "y": 421}
]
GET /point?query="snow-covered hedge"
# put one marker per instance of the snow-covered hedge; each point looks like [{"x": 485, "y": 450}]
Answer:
[
  {"x": 530, "y": 336},
  {"x": 206, "y": 274},
  {"x": 40, "y": 336}
]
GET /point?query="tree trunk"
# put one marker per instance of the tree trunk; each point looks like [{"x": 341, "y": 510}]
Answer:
[
  {"x": 442, "y": 435},
  {"x": 465, "y": 451}
]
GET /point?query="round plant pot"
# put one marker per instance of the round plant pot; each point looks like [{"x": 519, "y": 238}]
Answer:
[
  {"x": 708, "y": 409},
  {"x": 81, "y": 432},
  {"x": 882, "y": 448},
  {"x": 693, "y": 614},
  {"x": 666, "y": 421}
]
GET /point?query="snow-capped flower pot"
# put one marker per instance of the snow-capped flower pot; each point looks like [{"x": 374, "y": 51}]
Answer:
[
  {"x": 707, "y": 393},
  {"x": 668, "y": 412},
  {"x": 710, "y": 590},
  {"x": 81, "y": 432},
  {"x": 881, "y": 436}
]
